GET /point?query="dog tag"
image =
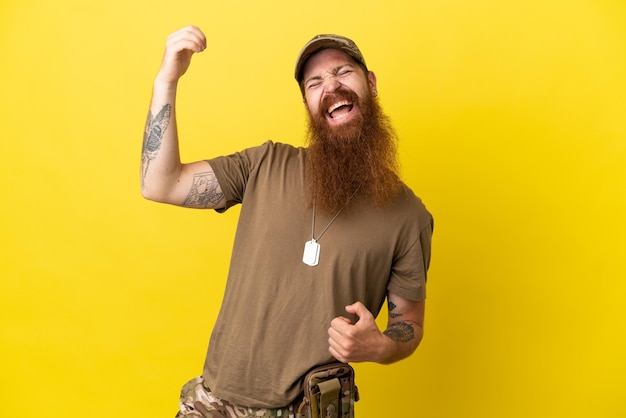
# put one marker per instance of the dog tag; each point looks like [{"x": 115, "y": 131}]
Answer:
[{"x": 311, "y": 253}]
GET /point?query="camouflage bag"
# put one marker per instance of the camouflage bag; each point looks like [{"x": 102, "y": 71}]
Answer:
[{"x": 329, "y": 392}]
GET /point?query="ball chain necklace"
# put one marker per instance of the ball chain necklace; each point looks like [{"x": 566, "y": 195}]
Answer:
[{"x": 311, "y": 256}]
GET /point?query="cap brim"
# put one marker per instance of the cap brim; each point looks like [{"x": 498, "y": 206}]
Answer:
[{"x": 322, "y": 42}]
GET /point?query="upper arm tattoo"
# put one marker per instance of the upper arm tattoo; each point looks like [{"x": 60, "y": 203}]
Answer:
[
  {"x": 391, "y": 308},
  {"x": 153, "y": 137},
  {"x": 203, "y": 193}
]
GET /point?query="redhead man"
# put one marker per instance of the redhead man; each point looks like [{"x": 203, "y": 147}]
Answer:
[{"x": 326, "y": 234}]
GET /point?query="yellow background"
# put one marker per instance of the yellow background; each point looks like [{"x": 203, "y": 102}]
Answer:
[{"x": 512, "y": 123}]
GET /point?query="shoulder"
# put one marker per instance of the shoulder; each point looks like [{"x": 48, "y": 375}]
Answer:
[
  {"x": 281, "y": 156},
  {"x": 272, "y": 149},
  {"x": 283, "y": 148},
  {"x": 268, "y": 149},
  {"x": 408, "y": 201}
]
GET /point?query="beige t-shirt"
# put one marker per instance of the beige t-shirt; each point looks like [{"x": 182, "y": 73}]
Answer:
[{"x": 273, "y": 323}]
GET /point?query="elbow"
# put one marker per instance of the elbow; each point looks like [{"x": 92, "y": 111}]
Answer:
[
  {"x": 147, "y": 195},
  {"x": 151, "y": 193}
]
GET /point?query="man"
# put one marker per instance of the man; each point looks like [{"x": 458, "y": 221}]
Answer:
[{"x": 325, "y": 234}]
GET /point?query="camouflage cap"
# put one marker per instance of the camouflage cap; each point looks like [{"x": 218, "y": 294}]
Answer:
[{"x": 320, "y": 42}]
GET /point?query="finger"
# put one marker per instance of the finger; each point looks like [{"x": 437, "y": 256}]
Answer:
[
  {"x": 335, "y": 347},
  {"x": 340, "y": 324},
  {"x": 192, "y": 44},
  {"x": 358, "y": 309},
  {"x": 334, "y": 334},
  {"x": 189, "y": 31},
  {"x": 336, "y": 355},
  {"x": 189, "y": 37},
  {"x": 343, "y": 319}
]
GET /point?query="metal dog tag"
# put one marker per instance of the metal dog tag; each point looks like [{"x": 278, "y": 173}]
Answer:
[{"x": 311, "y": 253}]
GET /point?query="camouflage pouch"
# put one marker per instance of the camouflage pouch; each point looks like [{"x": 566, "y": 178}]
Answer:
[{"x": 329, "y": 392}]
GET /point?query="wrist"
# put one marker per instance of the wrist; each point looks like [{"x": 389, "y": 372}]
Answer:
[
  {"x": 163, "y": 92},
  {"x": 165, "y": 85}
]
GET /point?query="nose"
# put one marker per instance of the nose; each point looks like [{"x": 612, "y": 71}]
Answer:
[{"x": 331, "y": 84}]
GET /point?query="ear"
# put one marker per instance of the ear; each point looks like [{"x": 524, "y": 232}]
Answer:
[{"x": 371, "y": 77}]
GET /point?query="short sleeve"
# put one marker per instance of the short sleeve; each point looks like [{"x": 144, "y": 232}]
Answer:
[{"x": 409, "y": 270}]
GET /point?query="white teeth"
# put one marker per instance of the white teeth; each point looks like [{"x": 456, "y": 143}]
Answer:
[
  {"x": 337, "y": 105},
  {"x": 340, "y": 116}
]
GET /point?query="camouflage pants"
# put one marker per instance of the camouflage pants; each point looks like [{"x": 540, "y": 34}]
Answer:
[{"x": 198, "y": 401}]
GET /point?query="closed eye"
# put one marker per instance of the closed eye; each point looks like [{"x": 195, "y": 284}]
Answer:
[
  {"x": 340, "y": 71},
  {"x": 313, "y": 84}
]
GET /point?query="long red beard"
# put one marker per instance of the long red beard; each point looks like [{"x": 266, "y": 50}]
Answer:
[{"x": 360, "y": 154}]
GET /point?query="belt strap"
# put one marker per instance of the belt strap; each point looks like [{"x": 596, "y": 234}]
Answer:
[{"x": 329, "y": 397}]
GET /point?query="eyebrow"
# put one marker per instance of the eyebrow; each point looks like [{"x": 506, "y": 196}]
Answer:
[{"x": 333, "y": 71}]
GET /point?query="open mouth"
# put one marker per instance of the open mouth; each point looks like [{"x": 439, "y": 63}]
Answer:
[{"x": 340, "y": 109}]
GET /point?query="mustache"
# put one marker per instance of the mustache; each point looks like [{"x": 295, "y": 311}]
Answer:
[{"x": 340, "y": 94}]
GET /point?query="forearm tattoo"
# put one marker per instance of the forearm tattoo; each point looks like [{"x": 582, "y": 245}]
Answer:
[
  {"x": 203, "y": 191},
  {"x": 401, "y": 332},
  {"x": 153, "y": 137}
]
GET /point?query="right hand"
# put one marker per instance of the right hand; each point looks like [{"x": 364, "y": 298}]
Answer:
[{"x": 181, "y": 45}]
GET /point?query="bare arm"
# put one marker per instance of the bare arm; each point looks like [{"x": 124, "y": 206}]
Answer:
[
  {"x": 405, "y": 326},
  {"x": 163, "y": 177},
  {"x": 363, "y": 341}
]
